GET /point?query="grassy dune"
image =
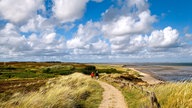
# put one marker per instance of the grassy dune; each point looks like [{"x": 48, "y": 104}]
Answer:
[
  {"x": 133, "y": 96},
  {"x": 174, "y": 95},
  {"x": 169, "y": 95},
  {"x": 76, "y": 90}
]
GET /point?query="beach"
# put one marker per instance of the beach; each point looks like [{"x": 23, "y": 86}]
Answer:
[
  {"x": 147, "y": 77},
  {"x": 163, "y": 72}
]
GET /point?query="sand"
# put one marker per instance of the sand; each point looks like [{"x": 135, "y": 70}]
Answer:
[
  {"x": 147, "y": 77},
  {"x": 112, "y": 97}
]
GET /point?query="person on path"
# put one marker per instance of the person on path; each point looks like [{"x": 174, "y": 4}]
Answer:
[
  {"x": 97, "y": 75},
  {"x": 92, "y": 74}
]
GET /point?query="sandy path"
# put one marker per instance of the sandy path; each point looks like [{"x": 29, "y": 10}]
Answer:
[
  {"x": 147, "y": 77},
  {"x": 112, "y": 97}
]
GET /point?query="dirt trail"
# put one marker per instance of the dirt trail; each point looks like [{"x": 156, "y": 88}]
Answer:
[{"x": 112, "y": 97}]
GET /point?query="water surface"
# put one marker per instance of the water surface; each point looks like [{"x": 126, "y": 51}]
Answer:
[{"x": 166, "y": 71}]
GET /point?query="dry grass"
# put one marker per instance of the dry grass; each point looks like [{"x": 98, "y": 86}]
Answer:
[
  {"x": 135, "y": 98},
  {"x": 174, "y": 95},
  {"x": 169, "y": 95},
  {"x": 108, "y": 66},
  {"x": 76, "y": 90}
]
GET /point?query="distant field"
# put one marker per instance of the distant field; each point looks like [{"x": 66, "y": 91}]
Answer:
[{"x": 15, "y": 70}]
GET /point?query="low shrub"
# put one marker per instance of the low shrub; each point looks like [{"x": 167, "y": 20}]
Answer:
[
  {"x": 108, "y": 71},
  {"x": 88, "y": 69}
]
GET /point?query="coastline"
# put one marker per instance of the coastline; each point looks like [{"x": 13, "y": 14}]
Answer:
[{"x": 147, "y": 77}]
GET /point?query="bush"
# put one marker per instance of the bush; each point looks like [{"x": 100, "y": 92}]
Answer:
[
  {"x": 59, "y": 70},
  {"x": 47, "y": 70},
  {"x": 89, "y": 69},
  {"x": 108, "y": 71},
  {"x": 31, "y": 70},
  {"x": 65, "y": 72},
  {"x": 10, "y": 68}
]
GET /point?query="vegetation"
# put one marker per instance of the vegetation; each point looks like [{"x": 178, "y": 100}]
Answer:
[
  {"x": 169, "y": 95},
  {"x": 12, "y": 70},
  {"x": 109, "y": 69},
  {"x": 27, "y": 79},
  {"x": 174, "y": 95},
  {"x": 74, "y": 91},
  {"x": 31, "y": 84},
  {"x": 135, "y": 98}
]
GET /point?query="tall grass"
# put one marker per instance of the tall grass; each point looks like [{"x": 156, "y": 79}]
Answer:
[
  {"x": 174, "y": 95},
  {"x": 134, "y": 97},
  {"x": 73, "y": 91},
  {"x": 169, "y": 95}
]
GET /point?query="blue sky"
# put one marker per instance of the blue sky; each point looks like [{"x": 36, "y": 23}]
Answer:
[{"x": 96, "y": 30}]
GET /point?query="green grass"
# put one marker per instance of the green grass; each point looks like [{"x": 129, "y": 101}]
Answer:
[
  {"x": 21, "y": 70},
  {"x": 109, "y": 69},
  {"x": 135, "y": 98}
]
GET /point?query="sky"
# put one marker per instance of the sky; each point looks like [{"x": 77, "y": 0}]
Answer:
[{"x": 96, "y": 30}]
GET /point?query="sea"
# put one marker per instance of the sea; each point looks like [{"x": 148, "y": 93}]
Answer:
[{"x": 172, "y": 72}]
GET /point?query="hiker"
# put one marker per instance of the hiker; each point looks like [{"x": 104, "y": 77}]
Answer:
[
  {"x": 92, "y": 74},
  {"x": 97, "y": 75}
]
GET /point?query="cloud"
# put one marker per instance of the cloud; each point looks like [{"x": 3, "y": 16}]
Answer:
[
  {"x": 98, "y": 1},
  {"x": 124, "y": 32},
  {"x": 69, "y": 10},
  {"x": 68, "y": 27},
  {"x": 20, "y": 10},
  {"x": 129, "y": 25},
  {"x": 34, "y": 24},
  {"x": 48, "y": 39},
  {"x": 127, "y": 44},
  {"x": 137, "y": 5},
  {"x": 75, "y": 43},
  {"x": 125, "y": 27},
  {"x": 11, "y": 41},
  {"x": 88, "y": 40},
  {"x": 188, "y": 36},
  {"x": 165, "y": 38},
  {"x": 85, "y": 34},
  {"x": 14, "y": 44}
]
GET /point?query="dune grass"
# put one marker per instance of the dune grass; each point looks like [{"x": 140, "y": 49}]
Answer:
[
  {"x": 73, "y": 91},
  {"x": 110, "y": 68},
  {"x": 169, "y": 95},
  {"x": 135, "y": 98},
  {"x": 174, "y": 95}
]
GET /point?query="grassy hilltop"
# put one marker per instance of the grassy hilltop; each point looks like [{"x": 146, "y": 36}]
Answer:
[{"x": 73, "y": 91}]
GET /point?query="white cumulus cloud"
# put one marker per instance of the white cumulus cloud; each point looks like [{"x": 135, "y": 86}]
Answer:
[
  {"x": 167, "y": 37},
  {"x": 87, "y": 40},
  {"x": 20, "y": 10},
  {"x": 12, "y": 43},
  {"x": 125, "y": 27},
  {"x": 69, "y": 10},
  {"x": 34, "y": 24},
  {"x": 129, "y": 25}
]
